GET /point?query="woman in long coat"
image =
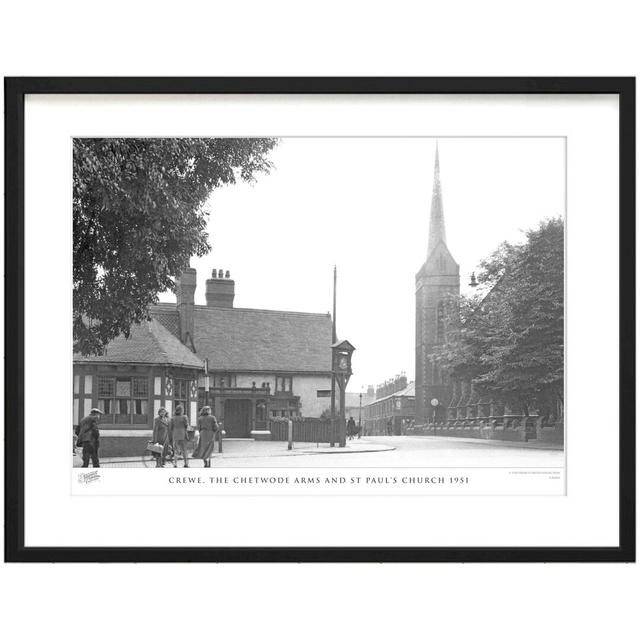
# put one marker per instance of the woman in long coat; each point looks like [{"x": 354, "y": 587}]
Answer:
[
  {"x": 161, "y": 435},
  {"x": 178, "y": 433},
  {"x": 208, "y": 427}
]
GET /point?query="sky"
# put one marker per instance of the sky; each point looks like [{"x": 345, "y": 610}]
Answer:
[{"x": 363, "y": 204}]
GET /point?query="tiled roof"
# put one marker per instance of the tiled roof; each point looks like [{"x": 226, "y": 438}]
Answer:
[
  {"x": 352, "y": 399},
  {"x": 235, "y": 339},
  {"x": 149, "y": 343},
  {"x": 409, "y": 390}
]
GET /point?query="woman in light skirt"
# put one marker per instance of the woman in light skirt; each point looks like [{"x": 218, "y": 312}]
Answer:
[{"x": 208, "y": 427}]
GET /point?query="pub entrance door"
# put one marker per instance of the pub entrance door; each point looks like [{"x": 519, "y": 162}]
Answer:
[{"x": 237, "y": 418}]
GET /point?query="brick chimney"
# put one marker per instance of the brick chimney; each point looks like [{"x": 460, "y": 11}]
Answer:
[
  {"x": 220, "y": 290},
  {"x": 185, "y": 290}
]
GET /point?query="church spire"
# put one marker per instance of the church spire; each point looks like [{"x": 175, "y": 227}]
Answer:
[{"x": 437, "y": 232}]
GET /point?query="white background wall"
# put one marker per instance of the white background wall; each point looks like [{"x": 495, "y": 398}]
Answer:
[
  {"x": 306, "y": 387},
  {"x": 337, "y": 38}
]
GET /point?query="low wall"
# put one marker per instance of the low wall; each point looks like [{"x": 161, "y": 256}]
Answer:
[
  {"x": 551, "y": 432},
  {"x": 304, "y": 430},
  {"x": 127, "y": 447},
  {"x": 515, "y": 431}
]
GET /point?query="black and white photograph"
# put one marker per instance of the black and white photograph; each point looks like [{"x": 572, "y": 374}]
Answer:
[
  {"x": 322, "y": 302},
  {"x": 325, "y": 312},
  {"x": 323, "y": 324}
]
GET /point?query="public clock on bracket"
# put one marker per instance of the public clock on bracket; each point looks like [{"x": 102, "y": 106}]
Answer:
[{"x": 342, "y": 352}]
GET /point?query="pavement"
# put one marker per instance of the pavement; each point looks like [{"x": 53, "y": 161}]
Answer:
[
  {"x": 532, "y": 444},
  {"x": 245, "y": 448},
  {"x": 378, "y": 451}
]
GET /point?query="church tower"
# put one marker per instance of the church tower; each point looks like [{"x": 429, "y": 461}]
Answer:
[{"x": 437, "y": 280}]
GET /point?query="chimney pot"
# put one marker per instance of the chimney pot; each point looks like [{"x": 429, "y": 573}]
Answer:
[
  {"x": 185, "y": 290},
  {"x": 220, "y": 291}
]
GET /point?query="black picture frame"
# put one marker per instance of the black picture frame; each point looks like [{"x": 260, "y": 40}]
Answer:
[{"x": 15, "y": 91}]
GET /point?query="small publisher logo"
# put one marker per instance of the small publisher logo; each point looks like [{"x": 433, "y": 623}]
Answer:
[{"x": 86, "y": 478}]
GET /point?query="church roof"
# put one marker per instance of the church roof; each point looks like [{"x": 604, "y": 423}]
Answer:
[
  {"x": 149, "y": 342},
  {"x": 236, "y": 339}
]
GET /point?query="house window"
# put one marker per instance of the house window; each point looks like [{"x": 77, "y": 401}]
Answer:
[{"x": 283, "y": 384}]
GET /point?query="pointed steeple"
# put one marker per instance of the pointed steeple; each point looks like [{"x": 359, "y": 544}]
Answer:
[{"x": 437, "y": 232}]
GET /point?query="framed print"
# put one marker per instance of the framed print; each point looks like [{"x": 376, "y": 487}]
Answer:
[{"x": 320, "y": 319}]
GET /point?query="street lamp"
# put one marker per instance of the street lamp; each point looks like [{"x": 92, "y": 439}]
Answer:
[{"x": 434, "y": 403}]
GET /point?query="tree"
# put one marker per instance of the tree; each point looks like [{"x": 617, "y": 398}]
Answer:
[
  {"x": 510, "y": 341},
  {"x": 138, "y": 215}
]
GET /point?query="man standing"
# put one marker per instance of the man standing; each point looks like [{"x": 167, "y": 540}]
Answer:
[
  {"x": 351, "y": 428},
  {"x": 89, "y": 438}
]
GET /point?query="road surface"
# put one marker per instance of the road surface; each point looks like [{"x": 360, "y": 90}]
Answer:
[{"x": 408, "y": 451}]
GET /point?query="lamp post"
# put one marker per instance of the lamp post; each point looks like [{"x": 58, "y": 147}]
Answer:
[
  {"x": 434, "y": 404},
  {"x": 334, "y": 339}
]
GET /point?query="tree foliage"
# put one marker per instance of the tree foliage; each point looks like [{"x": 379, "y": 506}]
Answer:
[
  {"x": 509, "y": 340},
  {"x": 138, "y": 215}
]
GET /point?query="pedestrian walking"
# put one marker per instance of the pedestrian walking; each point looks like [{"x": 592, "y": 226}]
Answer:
[
  {"x": 352, "y": 430},
  {"x": 178, "y": 435},
  {"x": 161, "y": 436},
  {"x": 207, "y": 427},
  {"x": 89, "y": 438},
  {"x": 390, "y": 427}
]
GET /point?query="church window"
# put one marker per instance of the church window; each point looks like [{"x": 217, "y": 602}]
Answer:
[{"x": 440, "y": 322}]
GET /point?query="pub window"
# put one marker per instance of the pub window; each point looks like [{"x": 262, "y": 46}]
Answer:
[
  {"x": 225, "y": 380},
  {"x": 181, "y": 393},
  {"x": 106, "y": 392},
  {"x": 283, "y": 384},
  {"x": 123, "y": 396}
]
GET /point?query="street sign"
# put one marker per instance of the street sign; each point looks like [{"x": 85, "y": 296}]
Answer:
[{"x": 323, "y": 393}]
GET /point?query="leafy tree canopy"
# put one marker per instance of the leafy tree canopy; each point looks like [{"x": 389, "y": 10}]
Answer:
[
  {"x": 509, "y": 340},
  {"x": 138, "y": 215}
]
